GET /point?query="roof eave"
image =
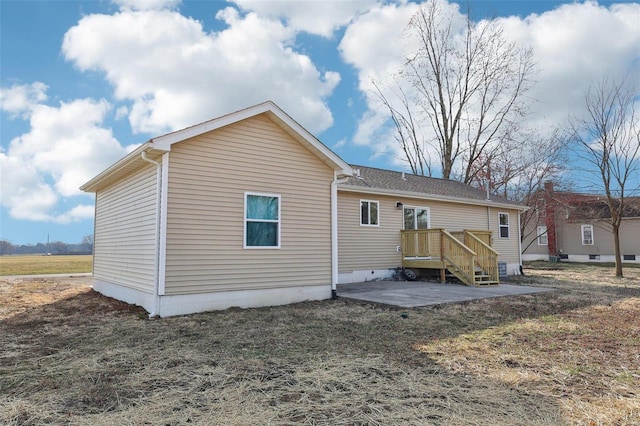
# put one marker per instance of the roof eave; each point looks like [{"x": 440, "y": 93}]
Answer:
[
  {"x": 434, "y": 197},
  {"x": 105, "y": 175}
]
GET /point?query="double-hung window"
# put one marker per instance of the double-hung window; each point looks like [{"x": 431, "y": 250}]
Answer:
[
  {"x": 369, "y": 213},
  {"x": 503, "y": 225},
  {"x": 587, "y": 235},
  {"x": 543, "y": 238},
  {"x": 261, "y": 220}
]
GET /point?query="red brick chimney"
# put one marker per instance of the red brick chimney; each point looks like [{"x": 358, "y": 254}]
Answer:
[{"x": 550, "y": 215}]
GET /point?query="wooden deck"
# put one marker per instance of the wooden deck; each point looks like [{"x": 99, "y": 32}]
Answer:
[{"x": 468, "y": 254}]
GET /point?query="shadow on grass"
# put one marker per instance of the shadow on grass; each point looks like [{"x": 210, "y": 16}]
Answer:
[{"x": 90, "y": 359}]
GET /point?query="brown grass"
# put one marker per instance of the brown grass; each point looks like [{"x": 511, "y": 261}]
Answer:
[
  {"x": 570, "y": 356},
  {"x": 37, "y": 264}
]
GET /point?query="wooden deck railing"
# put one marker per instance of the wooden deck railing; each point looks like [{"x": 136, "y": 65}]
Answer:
[
  {"x": 486, "y": 256},
  {"x": 421, "y": 243},
  {"x": 463, "y": 252},
  {"x": 460, "y": 256}
]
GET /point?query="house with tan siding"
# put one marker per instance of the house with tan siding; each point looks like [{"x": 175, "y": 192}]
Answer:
[
  {"x": 250, "y": 209},
  {"x": 408, "y": 205},
  {"x": 574, "y": 227}
]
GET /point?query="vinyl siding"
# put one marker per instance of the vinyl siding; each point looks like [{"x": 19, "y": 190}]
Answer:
[
  {"x": 570, "y": 238},
  {"x": 368, "y": 247},
  {"x": 125, "y": 231},
  {"x": 208, "y": 177},
  {"x": 530, "y": 242},
  {"x": 509, "y": 248}
]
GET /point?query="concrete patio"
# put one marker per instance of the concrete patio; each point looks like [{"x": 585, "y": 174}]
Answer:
[{"x": 413, "y": 294}]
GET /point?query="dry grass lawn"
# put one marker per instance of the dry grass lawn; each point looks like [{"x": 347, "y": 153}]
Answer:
[
  {"x": 38, "y": 264},
  {"x": 71, "y": 356}
]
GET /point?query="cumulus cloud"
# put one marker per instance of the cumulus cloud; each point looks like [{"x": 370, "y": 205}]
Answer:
[
  {"x": 146, "y": 4},
  {"x": 322, "y": 18},
  {"x": 573, "y": 44},
  {"x": 64, "y": 148},
  {"x": 375, "y": 45},
  {"x": 20, "y": 99},
  {"x": 176, "y": 74}
]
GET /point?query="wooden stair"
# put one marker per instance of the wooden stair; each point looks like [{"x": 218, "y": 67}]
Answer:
[
  {"x": 481, "y": 278},
  {"x": 467, "y": 258}
]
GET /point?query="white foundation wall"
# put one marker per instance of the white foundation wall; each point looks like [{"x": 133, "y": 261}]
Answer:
[
  {"x": 167, "y": 306},
  {"x": 125, "y": 294},
  {"x": 365, "y": 275},
  {"x": 578, "y": 258},
  {"x": 204, "y": 302}
]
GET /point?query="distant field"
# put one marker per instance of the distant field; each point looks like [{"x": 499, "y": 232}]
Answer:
[{"x": 35, "y": 264}]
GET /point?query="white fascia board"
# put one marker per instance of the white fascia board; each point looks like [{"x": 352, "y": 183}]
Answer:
[
  {"x": 165, "y": 141},
  {"x": 423, "y": 196},
  {"x": 123, "y": 162},
  {"x": 340, "y": 166}
]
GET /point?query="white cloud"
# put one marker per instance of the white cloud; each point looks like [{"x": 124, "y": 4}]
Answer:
[
  {"x": 573, "y": 44},
  {"x": 65, "y": 147},
  {"x": 20, "y": 99},
  {"x": 77, "y": 213},
  {"x": 176, "y": 75},
  {"x": 147, "y": 4},
  {"x": 23, "y": 190},
  {"x": 376, "y": 46},
  {"x": 374, "y": 42},
  {"x": 121, "y": 112},
  {"x": 312, "y": 16}
]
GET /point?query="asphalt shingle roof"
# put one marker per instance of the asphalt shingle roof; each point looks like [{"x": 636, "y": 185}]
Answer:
[{"x": 389, "y": 180}]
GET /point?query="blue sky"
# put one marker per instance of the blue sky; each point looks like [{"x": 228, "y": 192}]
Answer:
[{"x": 84, "y": 82}]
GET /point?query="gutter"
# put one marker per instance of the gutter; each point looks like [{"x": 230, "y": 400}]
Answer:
[
  {"x": 334, "y": 232},
  {"x": 156, "y": 272},
  {"x": 431, "y": 197}
]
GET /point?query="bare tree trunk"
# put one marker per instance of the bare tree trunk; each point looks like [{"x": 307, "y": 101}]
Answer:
[{"x": 616, "y": 245}]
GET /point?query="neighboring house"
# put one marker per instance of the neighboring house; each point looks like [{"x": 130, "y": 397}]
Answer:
[
  {"x": 573, "y": 226},
  {"x": 250, "y": 209}
]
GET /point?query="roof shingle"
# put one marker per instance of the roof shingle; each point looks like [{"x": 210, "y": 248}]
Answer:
[{"x": 388, "y": 180}]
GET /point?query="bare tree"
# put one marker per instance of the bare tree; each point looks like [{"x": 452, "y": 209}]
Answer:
[
  {"x": 519, "y": 173},
  {"x": 463, "y": 88},
  {"x": 5, "y": 247},
  {"x": 408, "y": 133},
  {"x": 87, "y": 242},
  {"x": 608, "y": 139}
]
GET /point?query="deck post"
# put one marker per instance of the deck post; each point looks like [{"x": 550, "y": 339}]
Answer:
[{"x": 443, "y": 275}]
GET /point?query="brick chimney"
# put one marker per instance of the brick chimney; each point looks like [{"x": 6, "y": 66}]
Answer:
[{"x": 550, "y": 215}]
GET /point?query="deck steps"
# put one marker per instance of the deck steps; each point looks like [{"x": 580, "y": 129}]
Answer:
[
  {"x": 464, "y": 257},
  {"x": 481, "y": 278}
]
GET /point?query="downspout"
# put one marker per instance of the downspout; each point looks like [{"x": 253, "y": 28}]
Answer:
[
  {"x": 488, "y": 218},
  {"x": 156, "y": 293},
  {"x": 334, "y": 233},
  {"x": 520, "y": 245}
]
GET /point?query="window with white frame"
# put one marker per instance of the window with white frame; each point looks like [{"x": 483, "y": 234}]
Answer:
[
  {"x": 261, "y": 220},
  {"x": 587, "y": 235},
  {"x": 543, "y": 238},
  {"x": 369, "y": 213},
  {"x": 416, "y": 218},
  {"x": 503, "y": 225}
]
